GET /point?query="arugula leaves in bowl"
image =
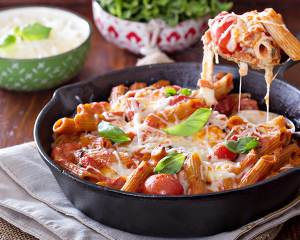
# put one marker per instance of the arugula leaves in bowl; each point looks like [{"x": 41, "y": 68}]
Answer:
[{"x": 171, "y": 11}]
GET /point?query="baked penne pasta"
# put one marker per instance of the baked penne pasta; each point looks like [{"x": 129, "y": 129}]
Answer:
[{"x": 167, "y": 131}]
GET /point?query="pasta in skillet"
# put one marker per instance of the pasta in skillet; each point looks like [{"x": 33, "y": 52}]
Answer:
[{"x": 164, "y": 139}]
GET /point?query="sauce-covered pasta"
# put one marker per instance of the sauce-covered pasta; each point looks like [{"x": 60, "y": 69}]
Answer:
[{"x": 164, "y": 139}]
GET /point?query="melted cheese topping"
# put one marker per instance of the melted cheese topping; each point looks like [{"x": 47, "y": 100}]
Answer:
[{"x": 146, "y": 138}]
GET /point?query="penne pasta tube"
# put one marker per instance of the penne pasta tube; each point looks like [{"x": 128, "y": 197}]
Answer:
[
  {"x": 283, "y": 37},
  {"x": 64, "y": 126},
  {"x": 195, "y": 175},
  {"x": 161, "y": 83},
  {"x": 93, "y": 108},
  {"x": 259, "y": 171},
  {"x": 108, "y": 158},
  {"x": 285, "y": 156},
  {"x": 240, "y": 169},
  {"x": 116, "y": 183},
  {"x": 181, "y": 111},
  {"x": 223, "y": 86},
  {"x": 86, "y": 122},
  {"x": 116, "y": 92},
  {"x": 91, "y": 141},
  {"x": 137, "y": 86},
  {"x": 137, "y": 177}
]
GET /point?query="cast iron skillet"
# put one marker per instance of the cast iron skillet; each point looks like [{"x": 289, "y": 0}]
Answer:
[{"x": 170, "y": 216}]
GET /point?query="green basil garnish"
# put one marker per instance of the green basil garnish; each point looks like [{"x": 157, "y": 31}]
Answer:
[
  {"x": 185, "y": 91},
  {"x": 244, "y": 145},
  {"x": 34, "y": 31},
  {"x": 273, "y": 52},
  {"x": 170, "y": 92},
  {"x": 191, "y": 125},
  {"x": 7, "y": 42},
  {"x": 31, "y": 32},
  {"x": 170, "y": 164},
  {"x": 113, "y": 133}
]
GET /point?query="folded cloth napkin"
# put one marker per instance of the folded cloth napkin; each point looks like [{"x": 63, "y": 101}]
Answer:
[{"x": 31, "y": 200}]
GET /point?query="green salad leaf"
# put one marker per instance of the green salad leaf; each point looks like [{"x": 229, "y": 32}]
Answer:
[
  {"x": 244, "y": 145},
  {"x": 113, "y": 133},
  {"x": 191, "y": 125},
  {"x": 171, "y": 11},
  {"x": 170, "y": 164}
]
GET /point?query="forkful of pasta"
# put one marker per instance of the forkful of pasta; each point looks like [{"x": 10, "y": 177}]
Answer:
[{"x": 254, "y": 39}]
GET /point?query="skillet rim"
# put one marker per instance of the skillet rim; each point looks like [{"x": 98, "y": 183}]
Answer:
[{"x": 96, "y": 188}]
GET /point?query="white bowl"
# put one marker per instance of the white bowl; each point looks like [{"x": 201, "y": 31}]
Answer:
[{"x": 132, "y": 36}]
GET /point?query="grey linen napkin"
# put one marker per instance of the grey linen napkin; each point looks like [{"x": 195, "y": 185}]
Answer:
[{"x": 31, "y": 200}]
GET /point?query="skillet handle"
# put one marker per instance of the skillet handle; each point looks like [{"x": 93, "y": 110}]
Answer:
[{"x": 289, "y": 64}]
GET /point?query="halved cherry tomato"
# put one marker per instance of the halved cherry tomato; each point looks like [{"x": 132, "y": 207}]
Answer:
[
  {"x": 225, "y": 106},
  {"x": 162, "y": 184},
  {"x": 217, "y": 33},
  {"x": 222, "y": 152}
]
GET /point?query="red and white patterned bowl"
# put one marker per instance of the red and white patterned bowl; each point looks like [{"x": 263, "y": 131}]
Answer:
[{"x": 131, "y": 36}]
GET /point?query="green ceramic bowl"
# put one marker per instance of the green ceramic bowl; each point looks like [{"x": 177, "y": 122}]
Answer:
[{"x": 49, "y": 72}]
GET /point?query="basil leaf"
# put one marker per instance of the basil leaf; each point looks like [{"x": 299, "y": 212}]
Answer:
[
  {"x": 170, "y": 164},
  {"x": 34, "y": 31},
  {"x": 7, "y": 42},
  {"x": 113, "y": 133},
  {"x": 244, "y": 145},
  {"x": 191, "y": 125},
  {"x": 170, "y": 92},
  {"x": 185, "y": 91},
  {"x": 273, "y": 52}
]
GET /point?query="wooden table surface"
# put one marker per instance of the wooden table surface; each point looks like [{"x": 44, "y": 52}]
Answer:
[{"x": 18, "y": 110}]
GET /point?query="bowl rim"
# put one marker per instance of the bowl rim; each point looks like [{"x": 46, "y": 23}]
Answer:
[
  {"x": 145, "y": 23},
  {"x": 94, "y": 187},
  {"x": 91, "y": 31}
]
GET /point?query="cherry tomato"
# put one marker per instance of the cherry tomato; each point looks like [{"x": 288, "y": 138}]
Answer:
[
  {"x": 217, "y": 33},
  {"x": 162, "y": 184},
  {"x": 225, "y": 106},
  {"x": 222, "y": 152}
]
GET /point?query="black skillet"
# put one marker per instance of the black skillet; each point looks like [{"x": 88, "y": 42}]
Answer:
[{"x": 170, "y": 216}]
